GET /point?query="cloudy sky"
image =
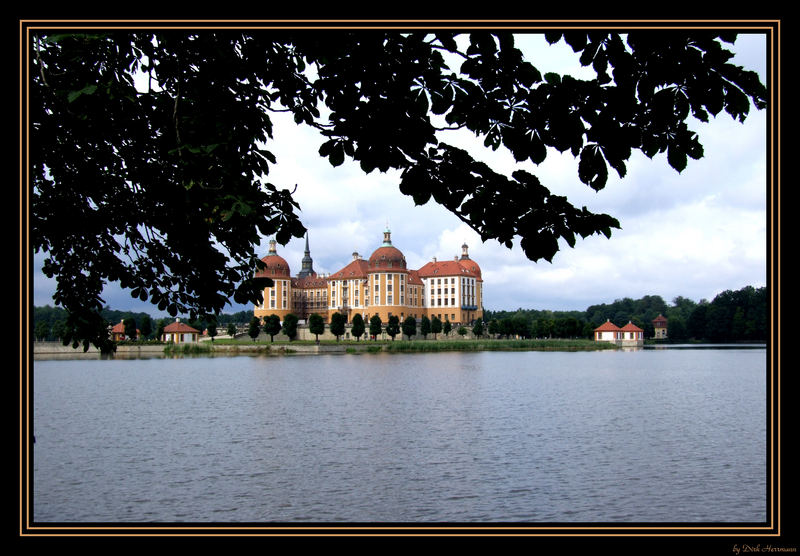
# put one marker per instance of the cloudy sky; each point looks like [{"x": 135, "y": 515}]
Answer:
[{"x": 692, "y": 234}]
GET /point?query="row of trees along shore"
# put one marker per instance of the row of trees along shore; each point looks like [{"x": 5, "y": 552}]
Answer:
[
  {"x": 732, "y": 316},
  {"x": 375, "y": 327}
]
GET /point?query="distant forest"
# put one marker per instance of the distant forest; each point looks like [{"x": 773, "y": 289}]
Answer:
[
  {"x": 732, "y": 316},
  {"x": 48, "y": 322}
]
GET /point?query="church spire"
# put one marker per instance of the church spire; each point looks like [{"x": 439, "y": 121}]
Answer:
[{"x": 308, "y": 263}]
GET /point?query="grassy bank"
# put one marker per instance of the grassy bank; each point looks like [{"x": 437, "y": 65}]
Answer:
[
  {"x": 498, "y": 345},
  {"x": 187, "y": 349}
]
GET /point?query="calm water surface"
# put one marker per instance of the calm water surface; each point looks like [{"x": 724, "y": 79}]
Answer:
[{"x": 644, "y": 436}]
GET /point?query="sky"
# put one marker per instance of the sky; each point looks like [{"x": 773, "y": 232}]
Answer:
[{"x": 692, "y": 234}]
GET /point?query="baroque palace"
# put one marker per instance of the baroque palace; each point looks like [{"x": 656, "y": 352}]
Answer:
[{"x": 381, "y": 285}]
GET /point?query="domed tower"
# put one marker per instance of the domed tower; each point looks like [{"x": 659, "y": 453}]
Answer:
[
  {"x": 277, "y": 297},
  {"x": 387, "y": 279},
  {"x": 387, "y": 256},
  {"x": 468, "y": 263}
]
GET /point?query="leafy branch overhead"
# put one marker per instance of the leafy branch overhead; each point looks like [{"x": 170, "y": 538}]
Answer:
[{"x": 161, "y": 184}]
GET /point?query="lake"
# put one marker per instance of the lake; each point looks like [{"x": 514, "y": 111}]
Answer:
[{"x": 653, "y": 435}]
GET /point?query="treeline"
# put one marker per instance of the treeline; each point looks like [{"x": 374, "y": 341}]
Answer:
[
  {"x": 732, "y": 316},
  {"x": 49, "y": 322}
]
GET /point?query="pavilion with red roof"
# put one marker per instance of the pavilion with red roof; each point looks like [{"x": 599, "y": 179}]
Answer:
[{"x": 629, "y": 335}]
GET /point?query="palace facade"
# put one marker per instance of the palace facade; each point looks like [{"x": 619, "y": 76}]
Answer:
[{"x": 381, "y": 285}]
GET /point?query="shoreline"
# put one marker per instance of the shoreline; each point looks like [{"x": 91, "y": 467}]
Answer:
[{"x": 55, "y": 350}]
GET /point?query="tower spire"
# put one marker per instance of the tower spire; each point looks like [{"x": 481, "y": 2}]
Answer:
[{"x": 308, "y": 263}]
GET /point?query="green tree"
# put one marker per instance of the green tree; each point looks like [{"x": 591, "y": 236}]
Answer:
[
  {"x": 410, "y": 327},
  {"x": 272, "y": 326},
  {"x": 211, "y": 330},
  {"x": 519, "y": 326},
  {"x": 337, "y": 325},
  {"x": 436, "y": 326},
  {"x": 506, "y": 327},
  {"x": 147, "y": 327},
  {"x": 447, "y": 327},
  {"x": 194, "y": 141},
  {"x": 316, "y": 325},
  {"x": 290, "y": 326},
  {"x": 477, "y": 329},
  {"x": 254, "y": 329},
  {"x": 462, "y": 331},
  {"x": 162, "y": 323},
  {"x": 358, "y": 328},
  {"x": 231, "y": 330},
  {"x": 393, "y": 326},
  {"x": 41, "y": 330},
  {"x": 129, "y": 325},
  {"x": 58, "y": 329},
  {"x": 494, "y": 327},
  {"x": 375, "y": 326},
  {"x": 425, "y": 327},
  {"x": 677, "y": 329},
  {"x": 696, "y": 325},
  {"x": 543, "y": 328}
]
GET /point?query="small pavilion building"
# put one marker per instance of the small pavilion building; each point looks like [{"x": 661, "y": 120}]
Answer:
[
  {"x": 629, "y": 335},
  {"x": 607, "y": 332},
  {"x": 118, "y": 332},
  {"x": 180, "y": 333},
  {"x": 632, "y": 335},
  {"x": 660, "y": 327}
]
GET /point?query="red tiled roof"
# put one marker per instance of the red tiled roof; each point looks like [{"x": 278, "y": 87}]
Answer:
[
  {"x": 413, "y": 278},
  {"x": 445, "y": 268},
  {"x": 471, "y": 265},
  {"x": 660, "y": 319},
  {"x": 607, "y": 326},
  {"x": 309, "y": 283},
  {"x": 356, "y": 269},
  {"x": 630, "y": 327},
  {"x": 119, "y": 328},
  {"x": 179, "y": 327}
]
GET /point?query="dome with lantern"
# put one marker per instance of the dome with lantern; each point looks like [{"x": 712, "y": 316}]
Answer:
[
  {"x": 387, "y": 256},
  {"x": 277, "y": 267},
  {"x": 468, "y": 263}
]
